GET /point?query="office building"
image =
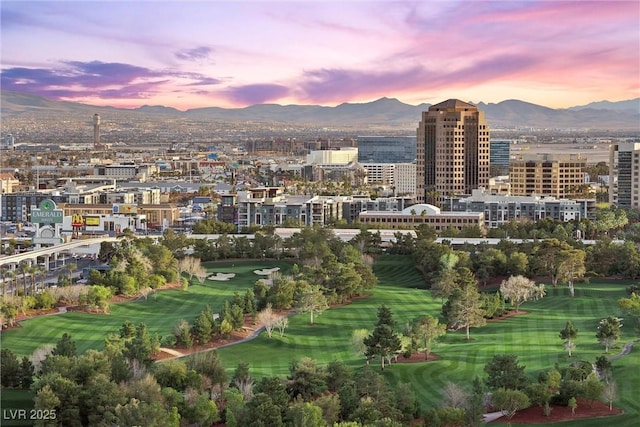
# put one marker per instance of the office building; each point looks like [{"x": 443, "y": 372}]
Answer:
[
  {"x": 452, "y": 151},
  {"x": 556, "y": 175},
  {"x": 499, "y": 156},
  {"x": 624, "y": 162},
  {"x": 386, "y": 149}
]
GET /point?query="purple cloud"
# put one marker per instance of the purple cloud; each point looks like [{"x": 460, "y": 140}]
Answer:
[
  {"x": 257, "y": 93},
  {"x": 205, "y": 81},
  {"x": 201, "y": 52},
  {"x": 103, "y": 80}
]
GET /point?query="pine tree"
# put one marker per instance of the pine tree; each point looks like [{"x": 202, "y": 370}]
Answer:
[{"x": 384, "y": 341}]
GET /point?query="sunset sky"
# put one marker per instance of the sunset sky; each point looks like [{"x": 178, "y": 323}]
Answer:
[{"x": 190, "y": 54}]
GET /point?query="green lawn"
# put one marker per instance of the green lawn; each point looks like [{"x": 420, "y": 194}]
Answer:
[
  {"x": 532, "y": 337},
  {"x": 11, "y": 404},
  {"x": 160, "y": 312}
]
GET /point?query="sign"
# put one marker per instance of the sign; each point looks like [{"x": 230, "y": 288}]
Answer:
[
  {"x": 77, "y": 221},
  {"x": 47, "y": 213},
  {"x": 125, "y": 208},
  {"x": 92, "y": 221}
]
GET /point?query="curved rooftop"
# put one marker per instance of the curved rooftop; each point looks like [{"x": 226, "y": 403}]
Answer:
[{"x": 421, "y": 207}]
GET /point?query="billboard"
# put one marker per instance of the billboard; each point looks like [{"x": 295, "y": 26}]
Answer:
[
  {"x": 125, "y": 208},
  {"x": 92, "y": 221}
]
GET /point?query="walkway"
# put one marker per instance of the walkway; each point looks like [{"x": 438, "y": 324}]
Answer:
[{"x": 626, "y": 349}]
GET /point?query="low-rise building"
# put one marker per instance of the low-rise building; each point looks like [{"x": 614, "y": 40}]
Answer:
[
  {"x": 418, "y": 214},
  {"x": 501, "y": 209}
]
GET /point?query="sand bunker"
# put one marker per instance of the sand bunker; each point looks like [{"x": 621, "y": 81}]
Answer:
[
  {"x": 268, "y": 282},
  {"x": 221, "y": 276},
  {"x": 266, "y": 271}
]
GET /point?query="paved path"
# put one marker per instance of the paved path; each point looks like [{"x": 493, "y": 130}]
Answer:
[
  {"x": 171, "y": 351},
  {"x": 626, "y": 349},
  {"x": 177, "y": 354}
]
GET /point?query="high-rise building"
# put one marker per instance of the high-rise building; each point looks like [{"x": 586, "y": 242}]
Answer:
[
  {"x": 499, "y": 156},
  {"x": 626, "y": 192},
  {"x": 557, "y": 175},
  {"x": 452, "y": 151},
  {"x": 386, "y": 149},
  {"x": 96, "y": 131}
]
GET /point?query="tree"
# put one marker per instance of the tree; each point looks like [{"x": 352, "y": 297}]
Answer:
[
  {"x": 464, "y": 306},
  {"x": 609, "y": 332},
  {"x": 504, "y": 372},
  {"x": 610, "y": 393},
  {"x": 569, "y": 335},
  {"x": 547, "y": 256},
  {"x": 304, "y": 414},
  {"x": 571, "y": 266},
  {"x": 262, "y": 411},
  {"x": 357, "y": 341},
  {"x": 306, "y": 379},
  {"x": 281, "y": 324},
  {"x": 310, "y": 299},
  {"x": 202, "y": 328},
  {"x": 509, "y": 401},
  {"x": 384, "y": 341},
  {"x": 592, "y": 388},
  {"x": 9, "y": 374},
  {"x": 519, "y": 289},
  {"x": 631, "y": 306},
  {"x": 99, "y": 296},
  {"x": 267, "y": 318},
  {"x": 65, "y": 347},
  {"x": 428, "y": 329}
]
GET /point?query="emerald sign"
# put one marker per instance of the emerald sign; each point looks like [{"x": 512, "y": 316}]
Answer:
[{"x": 47, "y": 213}]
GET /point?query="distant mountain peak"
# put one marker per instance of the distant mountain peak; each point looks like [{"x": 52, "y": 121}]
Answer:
[{"x": 383, "y": 113}]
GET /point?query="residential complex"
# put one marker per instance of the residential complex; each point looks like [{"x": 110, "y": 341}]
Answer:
[
  {"x": 557, "y": 175},
  {"x": 452, "y": 151},
  {"x": 501, "y": 209}
]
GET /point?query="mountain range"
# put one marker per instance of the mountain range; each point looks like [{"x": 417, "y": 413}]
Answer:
[{"x": 384, "y": 113}]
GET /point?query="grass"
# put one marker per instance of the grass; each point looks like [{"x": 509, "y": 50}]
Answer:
[
  {"x": 12, "y": 401},
  {"x": 532, "y": 337},
  {"x": 159, "y": 312}
]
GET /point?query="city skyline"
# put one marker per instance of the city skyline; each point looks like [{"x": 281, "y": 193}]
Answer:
[{"x": 234, "y": 54}]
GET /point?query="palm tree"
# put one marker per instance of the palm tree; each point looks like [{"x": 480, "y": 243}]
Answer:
[{"x": 24, "y": 269}]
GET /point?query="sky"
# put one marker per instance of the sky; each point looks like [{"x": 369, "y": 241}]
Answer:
[{"x": 192, "y": 54}]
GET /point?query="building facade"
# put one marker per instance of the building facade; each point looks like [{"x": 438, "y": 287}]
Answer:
[
  {"x": 499, "y": 156},
  {"x": 556, "y": 175},
  {"x": 386, "y": 149},
  {"x": 400, "y": 176},
  {"x": 501, "y": 209},
  {"x": 624, "y": 162},
  {"x": 418, "y": 214},
  {"x": 452, "y": 151}
]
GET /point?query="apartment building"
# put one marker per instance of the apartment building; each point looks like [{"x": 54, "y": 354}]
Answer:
[{"x": 556, "y": 175}]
